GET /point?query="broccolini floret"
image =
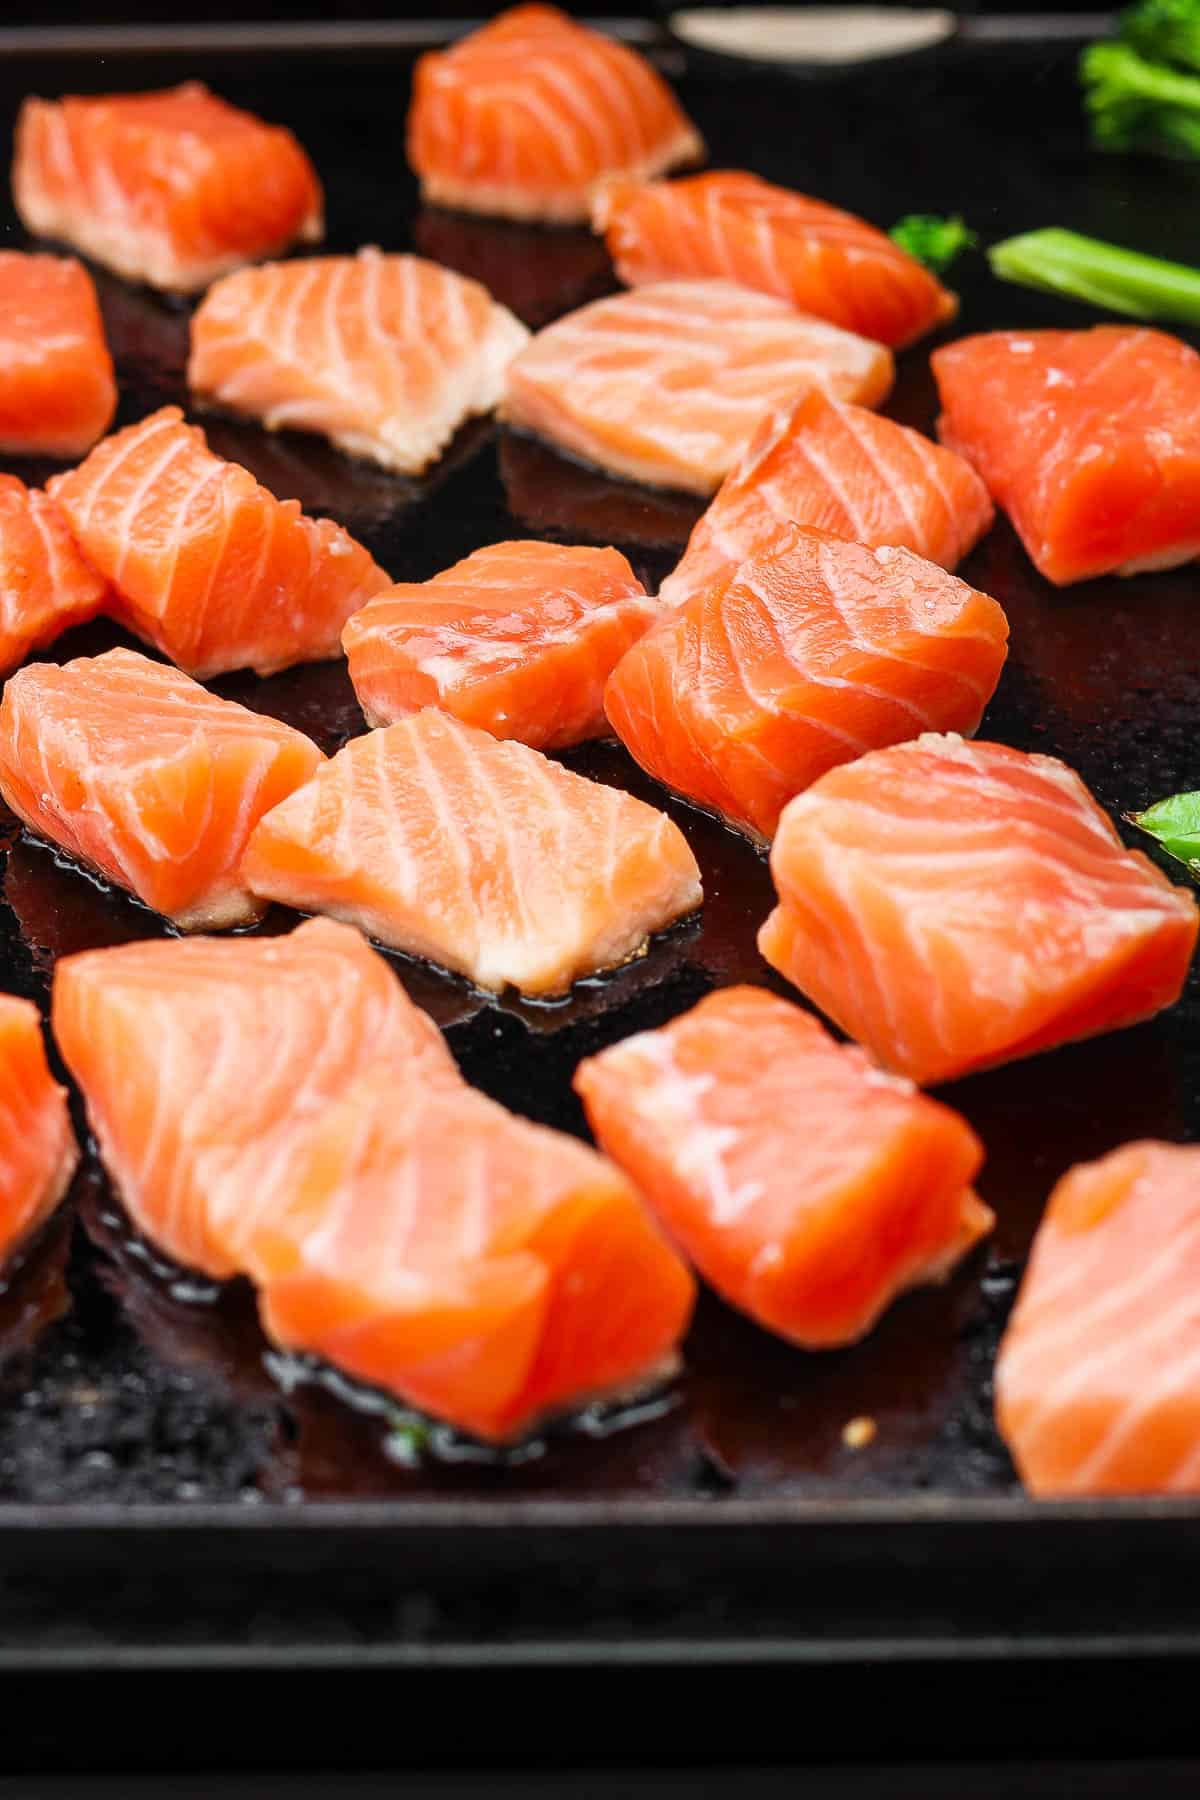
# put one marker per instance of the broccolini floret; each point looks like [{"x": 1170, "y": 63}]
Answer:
[
  {"x": 1139, "y": 105},
  {"x": 933, "y": 240}
]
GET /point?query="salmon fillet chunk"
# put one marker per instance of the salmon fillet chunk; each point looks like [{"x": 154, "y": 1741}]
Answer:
[
  {"x": 1089, "y": 440},
  {"x": 838, "y": 468},
  {"x": 485, "y": 1269},
  {"x": 1095, "y": 1385},
  {"x": 38, "y": 1152},
  {"x": 956, "y": 905},
  {"x": 204, "y": 563},
  {"x": 141, "y": 774},
  {"x": 815, "y": 256},
  {"x": 530, "y": 115},
  {"x": 668, "y": 384},
  {"x": 384, "y": 355},
  {"x": 278, "y": 1108},
  {"x": 518, "y": 639},
  {"x": 172, "y": 188},
  {"x": 58, "y": 392},
  {"x": 205, "y": 1061},
  {"x": 485, "y": 857},
  {"x": 46, "y": 584},
  {"x": 808, "y": 1187},
  {"x": 799, "y": 659}
]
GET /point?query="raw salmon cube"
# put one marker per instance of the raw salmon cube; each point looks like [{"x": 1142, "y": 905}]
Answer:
[
  {"x": 58, "y": 392},
  {"x": 668, "y": 384},
  {"x": 802, "y": 658},
  {"x": 485, "y": 857},
  {"x": 171, "y": 188},
  {"x": 529, "y": 116},
  {"x": 838, "y": 468},
  {"x": 818, "y": 258},
  {"x": 1095, "y": 1386},
  {"x": 518, "y": 639},
  {"x": 808, "y": 1187},
  {"x": 205, "y": 1064},
  {"x": 141, "y": 774},
  {"x": 480, "y": 1267},
  {"x": 38, "y": 1152},
  {"x": 385, "y": 355},
  {"x": 46, "y": 584},
  {"x": 1089, "y": 440},
  {"x": 955, "y": 905},
  {"x": 204, "y": 563}
]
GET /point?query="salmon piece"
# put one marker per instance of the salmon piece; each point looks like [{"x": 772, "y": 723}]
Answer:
[
  {"x": 841, "y": 469},
  {"x": 278, "y": 1107},
  {"x": 528, "y": 117},
  {"x": 1095, "y": 1384},
  {"x": 204, "y": 563},
  {"x": 518, "y": 639},
  {"x": 1089, "y": 440},
  {"x": 802, "y": 658},
  {"x": 484, "y": 1269},
  {"x": 171, "y": 188},
  {"x": 809, "y": 1188},
  {"x": 205, "y": 1064},
  {"x": 46, "y": 585},
  {"x": 384, "y": 355},
  {"x": 816, "y": 257},
  {"x": 485, "y": 857},
  {"x": 58, "y": 392},
  {"x": 38, "y": 1152},
  {"x": 956, "y": 905},
  {"x": 668, "y": 384},
  {"x": 140, "y": 773}
]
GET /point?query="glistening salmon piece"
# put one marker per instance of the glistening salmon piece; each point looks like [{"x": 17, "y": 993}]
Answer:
[
  {"x": 518, "y": 639},
  {"x": 841, "y": 469},
  {"x": 46, "y": 584},
  {"x": 480, "y": 1267},
  {"x": 955, "y": 905},
  {"x": 172, "y": 188},
  {"x": 38, "y": 1152},
  {"x": 815, "y": 256},
  {"x": 1089, "y": 440},
  {"x": 483, "y": 856},
  {"x": 530, "y": 115},
  {"x": 668, "y": 384},
  {"x": 58, "y": 392},
  {"x": 204, "y": 563},
  {"x": 142, "y": 774},
  {"x": 808, "y": 1187},
  {"x": 801, "y": 658},
  {"x": 206, "y": 1062},
  {"x": 1096, "y": 1389},
  {"x": 277, "y": 1107},
  {"x": 384, "y": 355}
]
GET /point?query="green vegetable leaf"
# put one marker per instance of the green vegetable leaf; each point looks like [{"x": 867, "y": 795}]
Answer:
[
  {"x": 933, "y": 240},
  {"x": 1175, "y": 824},
  {"x": 408, "y": 1438},
  {"x": 1136, "y": 104},
  {"x": 1124, "y": 281},
  {"x": 1164, "y": 31}
]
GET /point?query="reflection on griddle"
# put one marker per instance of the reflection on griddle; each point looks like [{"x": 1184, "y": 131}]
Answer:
[
  {"x": 148, "y": 336},
  {"x": 61, "y": 909},
  {"x": 538, "y": 273},
  {"x": 564, "y": 499},
  {"x": 315, "y": 698}
]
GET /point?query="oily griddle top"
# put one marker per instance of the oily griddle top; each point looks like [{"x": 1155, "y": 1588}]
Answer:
[{"x": 120, "y": 1383}]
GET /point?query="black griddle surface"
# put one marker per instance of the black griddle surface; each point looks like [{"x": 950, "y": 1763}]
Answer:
[{"x": 117, "y": 1394}]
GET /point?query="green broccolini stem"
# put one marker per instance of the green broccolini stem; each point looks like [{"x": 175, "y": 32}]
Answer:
[{"x": 1124, "y": 281}]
